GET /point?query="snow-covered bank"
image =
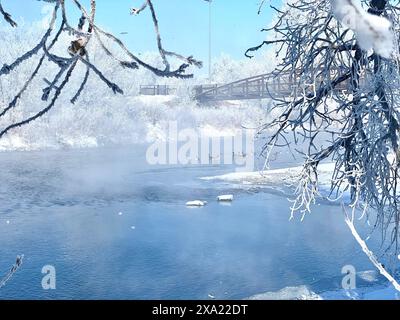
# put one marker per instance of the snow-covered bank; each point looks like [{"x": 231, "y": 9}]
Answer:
[
  {"x": 288, "y": 176},
  {"x": 129, "y": 120}
]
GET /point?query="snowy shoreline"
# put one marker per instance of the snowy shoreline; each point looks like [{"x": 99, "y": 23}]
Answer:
[
  {"x": 275, "y": 177},
  {"x": 127, "y": 121}
]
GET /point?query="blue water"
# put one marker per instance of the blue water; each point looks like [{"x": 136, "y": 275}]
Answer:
[{"x": 63, "y": 210}]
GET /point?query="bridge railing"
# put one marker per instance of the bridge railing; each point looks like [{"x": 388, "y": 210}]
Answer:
[
  {"x": 157, "y": 90},
  {"x": 200, "y": 89},
  {"x": 251, "y": 88},
  {"x": 256, "y": 87},
  {"x": 263, "y": 86}
]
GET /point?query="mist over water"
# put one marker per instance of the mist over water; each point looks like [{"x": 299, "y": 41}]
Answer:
[{"x": 117, "y": 228}]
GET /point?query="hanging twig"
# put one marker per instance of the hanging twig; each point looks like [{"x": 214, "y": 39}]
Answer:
[
  {"x": 16, "y": 266},
  {"x": 7, "y": 16},
  {"x": 371, "y": 256}
]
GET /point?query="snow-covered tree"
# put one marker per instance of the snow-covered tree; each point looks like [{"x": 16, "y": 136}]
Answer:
[
  {"x": 227, "y": 69},
  {"x": 80, "y": 46}
]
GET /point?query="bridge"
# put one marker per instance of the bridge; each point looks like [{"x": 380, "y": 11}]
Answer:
[{"x": 257, "y": 87}]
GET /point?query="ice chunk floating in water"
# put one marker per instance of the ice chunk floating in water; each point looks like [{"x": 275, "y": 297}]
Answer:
[
  {"x": 196, "y": 203},
  {"x": 225, "y": 198}
]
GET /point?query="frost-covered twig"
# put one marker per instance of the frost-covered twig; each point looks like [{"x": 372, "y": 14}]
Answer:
[
  {"x": 371, "y": 256},
  {"x": 7, "y": 16},
  {"x": 13, "y": 270},
  {"x": 42, "y": 112}
]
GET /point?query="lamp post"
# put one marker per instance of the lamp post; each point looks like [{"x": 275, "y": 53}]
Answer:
[{"x": 209, "y": 39}]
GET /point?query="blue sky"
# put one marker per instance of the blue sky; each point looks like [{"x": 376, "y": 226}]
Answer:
[{"x": 183, "y": 23}]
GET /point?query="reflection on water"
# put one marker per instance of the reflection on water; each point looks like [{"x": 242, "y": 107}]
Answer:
[{"x": 63, "y": 207}]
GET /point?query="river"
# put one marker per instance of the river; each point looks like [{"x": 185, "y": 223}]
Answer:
[{"x": 115, "y": 227}]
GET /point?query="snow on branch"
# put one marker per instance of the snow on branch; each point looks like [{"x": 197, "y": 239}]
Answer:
[
  {"x": 371, "y": 256},
  {"x": 372, "y": 31}
]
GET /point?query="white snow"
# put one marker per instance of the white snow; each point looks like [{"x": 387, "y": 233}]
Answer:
[
  {"x": 275, "y": 177},
  {"x": 196, "y": 203},
  {"x": 372, "y": 32},
  {"x": 212, "y": 131},
  {"x": 226, "y": 198}
]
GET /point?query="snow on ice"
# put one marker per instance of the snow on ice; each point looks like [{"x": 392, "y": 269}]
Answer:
[
  {"x": 225, "y": 198},
  {"x": 196, "y": 203}
]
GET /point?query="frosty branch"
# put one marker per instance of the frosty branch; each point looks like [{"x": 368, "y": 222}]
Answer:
[
  {"x": 15, "y": 267},
  {"x": 7, "y": 16},
  {"x": 79, "y": 53},
  {"x": 342, "y": 59}
]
